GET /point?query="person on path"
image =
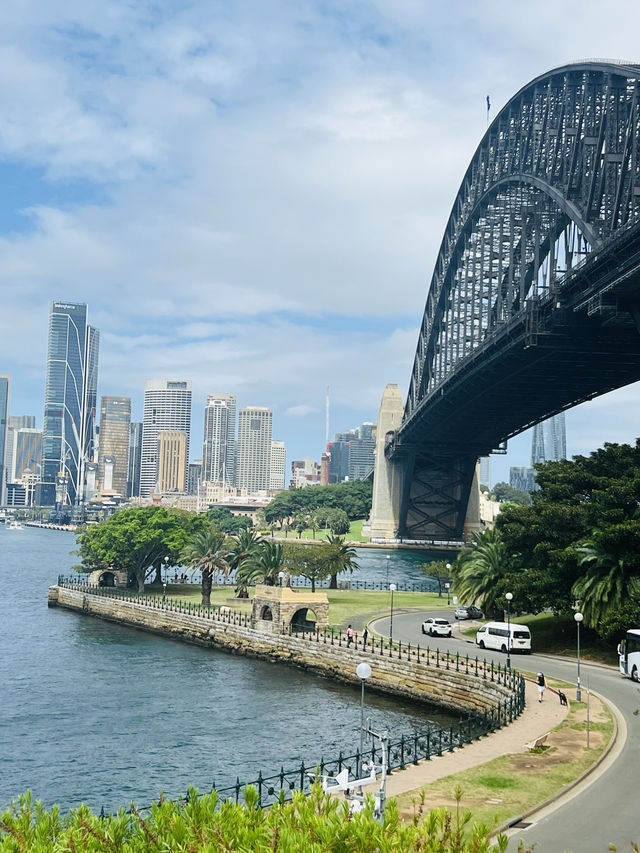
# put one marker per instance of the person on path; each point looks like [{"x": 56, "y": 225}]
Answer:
[
  {"x": 365, "y": 637},
  {"x": 541, "y": 686},
  {"x": 349, "y": 636}
]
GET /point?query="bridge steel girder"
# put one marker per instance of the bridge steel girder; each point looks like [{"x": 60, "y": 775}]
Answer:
[{"x": 533, "y": 303}]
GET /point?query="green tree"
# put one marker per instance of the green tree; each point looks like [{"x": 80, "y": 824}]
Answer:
[
  {"x": 263, "y": 566},
  {"x": 227, "y": 521},
  {"x": 337, "y": 521},
  {"x": 341, "y": 558},
  {"x": 207, "y": 551},
  {"x": 309, "y": 561},
  {"x": 136, "y": 540},
  {"x": 477, "y": 572},
  {"x": 504, "y": 492},
  {"x": 437, "y": 570}
]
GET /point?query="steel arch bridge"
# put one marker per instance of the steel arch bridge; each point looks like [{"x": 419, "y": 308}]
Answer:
[{"x": 534, "y": 303}]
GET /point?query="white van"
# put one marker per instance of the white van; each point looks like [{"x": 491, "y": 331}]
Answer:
[{"x": 495, "y": 635}]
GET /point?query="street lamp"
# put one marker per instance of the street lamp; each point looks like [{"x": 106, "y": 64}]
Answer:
[
  {"x": 392, "y": 588},
  {"x": 578, "y": 617},
  {"x": 448, "y": 583},
  {"x": 388, "y": 558},
  {"x": 166, "y": 566},
  {"x": 363, "y": 671},
  {"x": 509, "y": 597},
  {"x": 280, "y": 576}
]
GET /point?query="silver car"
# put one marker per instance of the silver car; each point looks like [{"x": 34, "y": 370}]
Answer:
[{"x": 436, "y": 627}]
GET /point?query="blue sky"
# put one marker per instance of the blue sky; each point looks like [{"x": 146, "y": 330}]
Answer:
[{"x": 251, "y": 195}]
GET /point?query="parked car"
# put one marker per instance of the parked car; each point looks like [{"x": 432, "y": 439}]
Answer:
[
  {"x": 468, "y": 611},
  {"x": 436, "y": 627},
  {"x": 504, "y": 636}
]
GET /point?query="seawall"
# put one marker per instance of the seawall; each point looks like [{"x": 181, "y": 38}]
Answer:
[{"x": 457, "y": 683}]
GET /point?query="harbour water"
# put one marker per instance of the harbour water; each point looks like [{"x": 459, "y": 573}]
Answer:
[{"x": 98, "y": 713}]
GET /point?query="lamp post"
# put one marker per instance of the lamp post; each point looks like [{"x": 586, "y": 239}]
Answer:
[
  {"x": 166, "y": 566},
  {"x": 448, "y": 583},
  {"x": 388, "y": 558},
  {"x": 578, "y": 617},
  {"x": 280, "y": 577},
  {"x": 363, "y": 671},
  {"x": 509, "y": 597},
  {"x": 392, "y": 589}
]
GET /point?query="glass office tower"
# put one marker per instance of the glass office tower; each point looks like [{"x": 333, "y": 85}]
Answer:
[{"x": 69, "y": 439}]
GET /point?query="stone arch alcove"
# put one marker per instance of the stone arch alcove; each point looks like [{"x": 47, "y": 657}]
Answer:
[
  {"x": 302, "y": 611},
  {"x": 108, "y": 578}
]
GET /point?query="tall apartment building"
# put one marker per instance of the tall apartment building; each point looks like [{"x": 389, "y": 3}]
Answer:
[
  {"x": 69, "y": 439},
  {"x": 522, "y": 478},
  {"x": 194, "y": 477},
  {"x": 219, "y": 443},
  {"x": 278, "y": 466},
  {"x": 24, "y": 450},
  {"x": 549, "y": 440},
  {"x": 135, "y": 458},
  {"x": 5, "y": 382},
  {"x": 172, "y": 460},
  {"x": 167, "y": 407},
  {"x": 115, "y": 436},
  {"x": 352, "y": 453},
  {"x": 254, "y": 449}
]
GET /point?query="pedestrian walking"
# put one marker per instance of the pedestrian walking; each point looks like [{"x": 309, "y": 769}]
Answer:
[
  {"x": 365, "y": 637},
  {"x": 541, "y": 686},
  {"x": 349, "y": 636}
]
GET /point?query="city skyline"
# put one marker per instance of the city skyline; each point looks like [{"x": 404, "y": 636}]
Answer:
[{"x": 262, "y": 221}]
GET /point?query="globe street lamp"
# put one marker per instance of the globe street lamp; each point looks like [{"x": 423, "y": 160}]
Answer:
[
  {"x": 392, "y": 589},
  {"x": 280, "y": 577},
  {"x": 509, "y": 597},
  {"x": 578, "y": 617},
  {"x": 448, "y": 583},
  {"x": 388, "y": 558},
  {"x": 363, "y": 671}
]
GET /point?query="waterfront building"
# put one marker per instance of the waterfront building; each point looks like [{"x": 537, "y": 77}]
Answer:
[
  {"x": 15, "y": 423},
  {"x": 113, "y": 452},
  {"x": 167, "y": 407},
  {"x": 254, "y": 449},
  {"x": 219, "y": 442},
  {"x": 194, "y": 477},
  {"x": 24, "y": 450},
  {"x": 278, "y": 466},
  {"x": 304, "y": 472},
  {"x": 522, "y": 478},
  {"x": 135, "y": 459},
  {"x": 172, "y": 461},
  {"x": 69, "y": 434},
  {"x": 549, "y": 440},
  {"x": 5, "y": 382}
]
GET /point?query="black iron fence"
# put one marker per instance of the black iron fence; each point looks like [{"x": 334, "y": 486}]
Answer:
[{"x": 408, "y": 749}]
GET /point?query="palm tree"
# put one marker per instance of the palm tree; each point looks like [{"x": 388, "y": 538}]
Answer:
[
  {"x": 613, "y": 568},
  {"x": 341, "y": 558},
  {"x": 244, "y": 546},
  {"x": 263, "y": 566},
  {"x": 207, "y": 551},
  {"x": 481, "y": 564}
]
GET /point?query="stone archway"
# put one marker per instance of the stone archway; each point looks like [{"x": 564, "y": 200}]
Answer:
[
  {"x": 108, "y": 578},
  {"x": 310, "y": 610},
  {"x": 266, "y": 614},
  {"x": 303, "y": 620}
]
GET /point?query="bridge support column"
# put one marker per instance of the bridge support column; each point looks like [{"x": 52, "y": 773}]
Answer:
[
  {"x": 472, "y": 523},
  {"x": 388, "y": 477}
]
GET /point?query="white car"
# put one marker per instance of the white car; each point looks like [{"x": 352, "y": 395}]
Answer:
[{"x": 436, "y": 627}]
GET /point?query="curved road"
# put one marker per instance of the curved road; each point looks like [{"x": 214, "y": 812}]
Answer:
[{"x": 602, "y": 813}]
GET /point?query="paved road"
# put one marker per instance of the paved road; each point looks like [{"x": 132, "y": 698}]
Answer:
[{"x": 605, "y": 812}]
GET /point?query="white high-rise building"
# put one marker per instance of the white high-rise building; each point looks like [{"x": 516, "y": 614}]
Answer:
[
  {"x": 167, "y": 406},
  {"x": 278, "y": 466},
  {"x": 549, "y": 440},
  {"x": 254, "y": 449},
  {"x": 219, "y": 445}
]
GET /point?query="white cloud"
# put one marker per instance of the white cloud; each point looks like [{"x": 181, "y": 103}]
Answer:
[{"x": 301, "y": 411}]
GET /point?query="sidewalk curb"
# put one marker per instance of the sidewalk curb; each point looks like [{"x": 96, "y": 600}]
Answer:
[{"x": 616, "y": 714}]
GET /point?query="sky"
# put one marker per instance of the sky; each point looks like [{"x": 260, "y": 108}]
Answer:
[{"x": 252, "y": 194}]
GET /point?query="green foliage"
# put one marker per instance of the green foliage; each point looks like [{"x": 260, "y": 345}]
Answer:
[
  {"x": 337, "y": 521},
  {"x": 314, "y": 824},
  {"x": 207, "y": 550},
  {"x": 309, "y": 561},
  {"x": 262, "y": 566},
  {"x": 226, "y": 521},
  {"x": 479, "y": 569},
  {"x": 504, "y": 492},
  {"x": 354, "y": 498},
  {"x": 137, "y": 540},
  {"x": 341, "y": 558},
  {"x": 438, "y": 570}
]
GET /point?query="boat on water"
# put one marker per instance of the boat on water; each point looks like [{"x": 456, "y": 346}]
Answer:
[{"x": 14, "y": 525}]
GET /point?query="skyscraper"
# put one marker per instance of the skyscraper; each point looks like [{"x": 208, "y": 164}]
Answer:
[
  {"x": 70, "y": 403},
  {"x": 135, "y": 457},
  {"x": 4, "y": 423},
  {"x": 24, "y": 450},
  {"x": 172, "y": 460},
  {"x": 353, "y": 453},
  {"x": 219, "y": 445},
  {"x": 115, "y": 435},
  {"x": 549, "y": 440},
  {"x": 254, "y": 449},
  {"x": 278, "y": 465},
  {"x": 167, "y": 406}
]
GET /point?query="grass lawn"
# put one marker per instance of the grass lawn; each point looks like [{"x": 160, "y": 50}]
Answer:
[
  {"x": 346, "y": 606},
  {"x": 510, "y": 785},
  {"x": 354, "y": 534},
  {"x": 558, "y": 636}
]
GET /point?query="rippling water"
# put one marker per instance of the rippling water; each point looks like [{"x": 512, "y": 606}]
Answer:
[{"x": 104, "y": 714}]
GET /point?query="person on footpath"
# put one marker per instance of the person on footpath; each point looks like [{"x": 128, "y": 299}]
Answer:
[
  {"x": 365, "y": 637},
  {"x": 349, "y": 636},
  {"x": 541, "y": 686}
]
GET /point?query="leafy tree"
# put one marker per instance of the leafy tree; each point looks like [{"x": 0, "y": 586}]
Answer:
[
  {"x": 309, "y": 561},
  {"x": 338, "y": 521},
  {"x": 137, "y": 539},
  {"x": 207, "y": 551},
  {"x": 480, "y": 567},
  {"x": 227, "y": 521},
  {"x": 504, "y": 492},
  {"x": 352, "y": 497},
  {"x": 341, "y": 558},
  {"x": 263, "y": 566},
  {"x": 437, "y": 570}
]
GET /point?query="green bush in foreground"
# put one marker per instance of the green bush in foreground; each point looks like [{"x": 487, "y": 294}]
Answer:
[{"x": 314, "y": 824}]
